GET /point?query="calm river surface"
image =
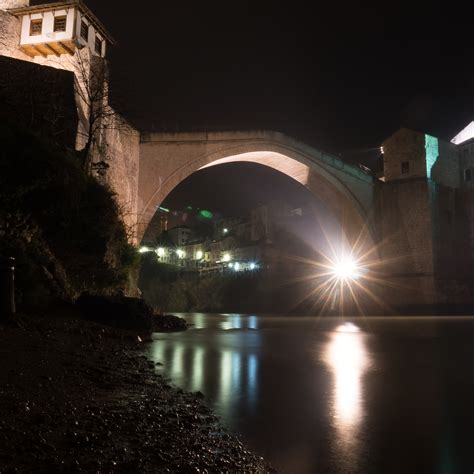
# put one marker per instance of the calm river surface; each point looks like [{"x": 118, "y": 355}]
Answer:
[{"x": 324, "y": 395}]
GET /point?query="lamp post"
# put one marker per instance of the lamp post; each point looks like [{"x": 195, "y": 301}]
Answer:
[{"x": 7, "y": 287}]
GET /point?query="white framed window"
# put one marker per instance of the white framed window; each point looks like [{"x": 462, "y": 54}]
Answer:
[
  {"x": 84, "y": 30},
  {"x": 60, "y": 23},
  {"x": 36, "y": 27}
]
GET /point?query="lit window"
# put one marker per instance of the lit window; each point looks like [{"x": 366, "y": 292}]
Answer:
[
  {"x": 467, "y": 174},
  {"x": 36, "y": 27},
  {"x": 84, "y": 30},
  {"x": 98, "y": 45},
  {"x": 60, "y": 23},
  {"x": 405, "y": 167}
]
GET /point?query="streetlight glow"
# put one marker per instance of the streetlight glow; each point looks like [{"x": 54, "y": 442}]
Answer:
[{"x": 160, "y": 252}]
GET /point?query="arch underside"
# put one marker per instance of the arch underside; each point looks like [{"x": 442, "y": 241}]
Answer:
[{"x": 325, "y": 186}]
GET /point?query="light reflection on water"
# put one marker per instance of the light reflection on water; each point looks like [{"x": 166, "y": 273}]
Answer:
[
  {"x": 348, "y": 359},
  {"x": 313, "y": 395},
  {"x": 224, "y": 373}
]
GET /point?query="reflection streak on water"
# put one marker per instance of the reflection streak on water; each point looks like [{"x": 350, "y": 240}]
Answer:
[
  {"x": 198, "y": 370},
  {"x": 177, "y": 361},
  {"x": 236, "y": 374},
  {"x": 348, "y": 359},
  {"x": 225, "y": 377},
  {"x": 252, "y": 322},
  {"x": 252, "y": 379},
  {"x": 199, "y": 320}
]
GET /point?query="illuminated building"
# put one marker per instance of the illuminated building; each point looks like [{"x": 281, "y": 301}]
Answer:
[{"x": 427, "y": 215}]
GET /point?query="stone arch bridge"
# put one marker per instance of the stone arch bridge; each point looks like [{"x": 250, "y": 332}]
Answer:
[{"x": 167, "y": 159}]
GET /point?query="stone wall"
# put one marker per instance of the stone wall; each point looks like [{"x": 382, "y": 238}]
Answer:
[
  {"x": 6, "y": 4},
  {"x": 10, "y": 36},
  {"x": 446, "y": 170},
  {"x": 404, "y": 223},
  {"x": 122, "y": 154},
  {"x": 466, "y": 154}
]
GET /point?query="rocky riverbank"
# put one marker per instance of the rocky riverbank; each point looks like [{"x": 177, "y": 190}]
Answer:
[{"x": 79, "y": 396}]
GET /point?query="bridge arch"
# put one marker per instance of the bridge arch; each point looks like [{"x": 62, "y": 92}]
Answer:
[{"x": 167, "y": 159}]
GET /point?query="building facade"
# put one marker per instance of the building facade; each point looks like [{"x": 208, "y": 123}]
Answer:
[{"x": 425, "y": 217}]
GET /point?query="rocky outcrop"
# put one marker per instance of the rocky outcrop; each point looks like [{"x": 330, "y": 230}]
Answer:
[{"x": 117, "y": 311}]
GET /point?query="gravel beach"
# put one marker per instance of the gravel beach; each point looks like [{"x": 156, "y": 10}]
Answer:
[{"x": 78, "y": 396}]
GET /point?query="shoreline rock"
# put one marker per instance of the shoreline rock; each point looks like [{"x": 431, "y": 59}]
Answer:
[{"x": 168, "y": 322}]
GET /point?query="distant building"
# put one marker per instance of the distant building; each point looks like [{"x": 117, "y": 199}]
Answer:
[
  {"x": 180, "y": 235},
  {"x": 232, "y": 248},
  {"x": 230, "y": 225},
  {"x": 267, "y": 219},
  {"x": 409, "y": 154},
  {"x": 464, "y": 141}
]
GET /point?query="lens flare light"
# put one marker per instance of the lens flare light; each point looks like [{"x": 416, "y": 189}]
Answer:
[{"x": 346, "y": 269}]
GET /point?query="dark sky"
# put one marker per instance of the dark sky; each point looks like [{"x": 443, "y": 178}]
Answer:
[
  {"x": 341, "y": 78},
  {"x": 235, "y": 188},
  {"x": 330, "y": 75}
]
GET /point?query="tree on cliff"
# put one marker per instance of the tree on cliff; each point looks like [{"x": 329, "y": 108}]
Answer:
[
  {"x": 96, "y": 115},
  {"x": 92, "y": 95}
]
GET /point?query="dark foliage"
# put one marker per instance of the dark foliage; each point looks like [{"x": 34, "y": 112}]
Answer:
[{"x": 50, "y": 207}]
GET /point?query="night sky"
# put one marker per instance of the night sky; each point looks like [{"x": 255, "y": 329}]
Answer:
[{"x": 327, "y": 74}]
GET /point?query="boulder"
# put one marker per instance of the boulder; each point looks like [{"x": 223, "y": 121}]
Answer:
[
  {"x": 168, "y": 322},
  {"x": 117, "y": 311}
]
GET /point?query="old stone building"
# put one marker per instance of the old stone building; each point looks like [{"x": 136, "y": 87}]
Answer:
[
  {"x": 67, "y": 36},
  {"x": 425, "y": 217}
]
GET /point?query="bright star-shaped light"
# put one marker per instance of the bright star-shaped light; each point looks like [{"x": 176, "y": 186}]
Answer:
[{"x": 345, "y": 269}]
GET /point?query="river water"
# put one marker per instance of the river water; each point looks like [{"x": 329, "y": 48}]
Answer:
[{"x": 325, "y": 395}]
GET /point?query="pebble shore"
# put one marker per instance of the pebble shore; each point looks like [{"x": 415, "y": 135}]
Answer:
[{"x": 76, "y": 396}]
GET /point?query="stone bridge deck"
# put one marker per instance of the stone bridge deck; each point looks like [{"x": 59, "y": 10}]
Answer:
[{"x": 166, "y": 159}]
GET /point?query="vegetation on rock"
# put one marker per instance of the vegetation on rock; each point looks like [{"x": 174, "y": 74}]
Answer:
[{"x": 62, "y": 226}]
